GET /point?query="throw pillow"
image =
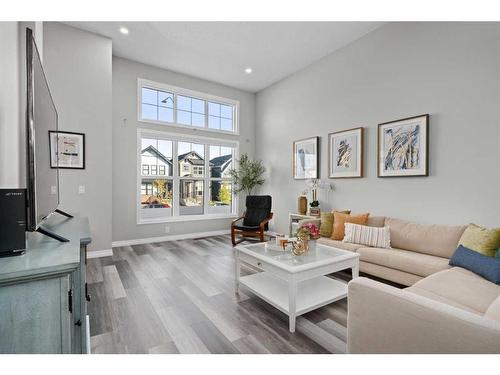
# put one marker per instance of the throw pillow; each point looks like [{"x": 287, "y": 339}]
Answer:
[
  {"x": 327, "y": 223},
  {"x": 483, "y": 240},
  {"x": 369, "y": 236},
  {"x": 482, "y": 265},
  {"x": 339, "y": 220},
  {"x": 325, "y": 229}
]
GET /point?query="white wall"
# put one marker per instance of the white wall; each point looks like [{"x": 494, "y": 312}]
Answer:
[
  {"x": 10, "y": 121},
  {"x": 449, "y": 70},
  {"x": 79, "y": 72},
  {"x": 125, "y": 124}
]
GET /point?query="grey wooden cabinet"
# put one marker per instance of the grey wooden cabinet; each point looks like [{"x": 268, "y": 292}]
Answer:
[{"x": 43, "y": 298}]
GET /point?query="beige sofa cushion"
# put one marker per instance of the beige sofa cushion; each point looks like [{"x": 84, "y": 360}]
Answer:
[
  {"x": 386, "y": 273},
  {"x": 437, "y": 240},
  {"x": 462, "y": 287},
  {"x": 404, "y": 260},
  {"x": 493, "y": 311},
  {"x": 436, "y": 297},
  {"x": 375, "y": 221},
  {"x": 339, "y": 244}
]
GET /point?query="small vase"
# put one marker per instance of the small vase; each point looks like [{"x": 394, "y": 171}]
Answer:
[{"x": 302, "y": 205}]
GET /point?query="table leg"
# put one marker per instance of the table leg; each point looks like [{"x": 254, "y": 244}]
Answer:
[
  {"x": 237, "y": 265},
  {"x": 292, "y": 303},
  {"x": 355, "y": 270}
]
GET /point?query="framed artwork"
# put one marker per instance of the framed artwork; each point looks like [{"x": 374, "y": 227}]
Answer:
[
  {"x": 345, "y": 153},
  {"x": 67, "y": 150},
  {"x": 403, "y": 147},
  {"x": 305, "y": 158}
]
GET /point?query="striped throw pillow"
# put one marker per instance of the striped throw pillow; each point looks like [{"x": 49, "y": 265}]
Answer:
[{"x": 369, "y": 236}]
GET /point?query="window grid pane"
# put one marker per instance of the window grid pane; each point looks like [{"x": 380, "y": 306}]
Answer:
[
  {"x": 196, "y": 192},
  {"x": 159, "y": 105}
]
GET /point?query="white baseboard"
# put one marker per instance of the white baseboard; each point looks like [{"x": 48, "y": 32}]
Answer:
[
  {"x": 99, "y": 253},
  {"x": 172, "y": 237}
]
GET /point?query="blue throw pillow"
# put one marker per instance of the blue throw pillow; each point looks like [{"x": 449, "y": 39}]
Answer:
[{"x": 487, "y": 267}]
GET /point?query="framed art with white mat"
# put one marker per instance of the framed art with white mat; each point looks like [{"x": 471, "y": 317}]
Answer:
[
  {"x": 345, "y": 153},
  {"x": 403, "y": 147}
]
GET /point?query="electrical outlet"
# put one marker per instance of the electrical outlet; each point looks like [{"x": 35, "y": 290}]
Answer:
[
  {"x": 53, "y": 190},
  {"x": 167, "y": 229},
  {"x": 81, "y": 189}
]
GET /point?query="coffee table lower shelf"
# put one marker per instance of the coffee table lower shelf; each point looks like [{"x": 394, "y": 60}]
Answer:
[{"x": 310, "y": 295}]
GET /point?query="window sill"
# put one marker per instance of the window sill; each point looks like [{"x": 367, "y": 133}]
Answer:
[{"x": 179, "y": 219}]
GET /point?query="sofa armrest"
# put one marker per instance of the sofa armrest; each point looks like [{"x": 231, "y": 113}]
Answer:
[{"x": 384, "y": 319}]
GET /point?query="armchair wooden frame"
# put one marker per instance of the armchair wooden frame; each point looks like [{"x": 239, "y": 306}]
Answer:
[{"x": 248, "y": 233}]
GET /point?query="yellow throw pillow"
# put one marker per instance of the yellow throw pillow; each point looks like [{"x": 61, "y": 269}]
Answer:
[
  {"x": 325, "y": 230},
  {"x": 483, "y": 240}
]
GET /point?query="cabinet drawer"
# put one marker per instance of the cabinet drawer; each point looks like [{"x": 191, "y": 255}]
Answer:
[{"x": 253, "y": 262}]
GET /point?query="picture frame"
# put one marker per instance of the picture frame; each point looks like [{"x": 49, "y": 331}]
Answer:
[
  {"x": 345, "y": 153},
  {"x": 403, "y": 147},
  {"x": 306, "y": 158},
  {"x": 67, "y": 150}
]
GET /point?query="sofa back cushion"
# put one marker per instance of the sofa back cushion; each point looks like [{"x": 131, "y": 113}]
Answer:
[
  {"x": 435, "y": 239},
  {"x": 376, "y": 221}
]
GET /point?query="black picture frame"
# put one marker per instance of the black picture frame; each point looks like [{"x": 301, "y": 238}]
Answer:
[
  {"x": 424, "y": 170},
  {"x": 51, "y": 158}
]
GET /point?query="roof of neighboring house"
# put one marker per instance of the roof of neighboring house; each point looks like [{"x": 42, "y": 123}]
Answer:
[
  {"x": 221, "y": 161},
  {"x": 157, "y": 153},
  {"x": 192, "y": 157}
]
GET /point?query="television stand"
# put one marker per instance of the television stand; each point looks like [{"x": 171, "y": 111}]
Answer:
[
  {"x": 51, "y": 234},
  {"x": 63, "y": 213}
]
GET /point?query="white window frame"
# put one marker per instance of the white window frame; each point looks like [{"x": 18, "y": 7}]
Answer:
[
  {"x": 175, "y": 178},
  {"x": 191, "y": 93}
]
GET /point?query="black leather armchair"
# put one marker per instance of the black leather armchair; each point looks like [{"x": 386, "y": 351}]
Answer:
[{"x": 255, "y": 219}]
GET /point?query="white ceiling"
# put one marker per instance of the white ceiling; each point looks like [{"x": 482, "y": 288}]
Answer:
[{"x": 220, "y": 51}]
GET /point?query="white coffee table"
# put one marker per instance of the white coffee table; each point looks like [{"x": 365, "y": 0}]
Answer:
[{"x": 293, "y": 284}]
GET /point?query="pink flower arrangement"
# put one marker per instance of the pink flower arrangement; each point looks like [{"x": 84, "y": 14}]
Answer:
[{"x": 309, "y": 229}]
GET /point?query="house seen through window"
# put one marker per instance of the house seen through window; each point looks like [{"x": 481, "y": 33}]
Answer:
[{"x": 183, "y": 177}]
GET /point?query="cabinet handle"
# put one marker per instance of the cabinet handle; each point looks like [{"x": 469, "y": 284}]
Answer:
[
  {"x": 78, "y": 323},
  {"x": 87, "y": 295},
  {"x": 70, "y": 300}
]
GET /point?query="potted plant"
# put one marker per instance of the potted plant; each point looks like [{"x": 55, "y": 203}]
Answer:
[{"x": 250, "y": 173}]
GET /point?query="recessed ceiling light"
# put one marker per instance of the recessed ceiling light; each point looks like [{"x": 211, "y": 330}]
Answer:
[
  {"x": 124, "y": 30},
  {"x": 248, "y": 70}
]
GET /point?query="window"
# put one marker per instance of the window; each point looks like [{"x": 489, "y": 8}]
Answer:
[
  {"x": 220, "y": 116},
  {"x": 156, "y": 192},
  {"x": 174, "y": 106},
  {"x": 182, "y": 189},
  {"x": 157, "y": 105}
]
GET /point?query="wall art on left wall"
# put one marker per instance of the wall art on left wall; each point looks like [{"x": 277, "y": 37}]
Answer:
[
  {"x": 67, "y": 150},
  {"x": 305, "y": 158}
]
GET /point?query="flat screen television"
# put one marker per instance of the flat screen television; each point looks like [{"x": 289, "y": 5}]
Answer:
[{"x": 42, "y": 179}]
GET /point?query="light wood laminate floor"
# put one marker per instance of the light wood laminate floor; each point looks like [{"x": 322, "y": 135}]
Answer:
[{"x": 178, "y": 297}]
